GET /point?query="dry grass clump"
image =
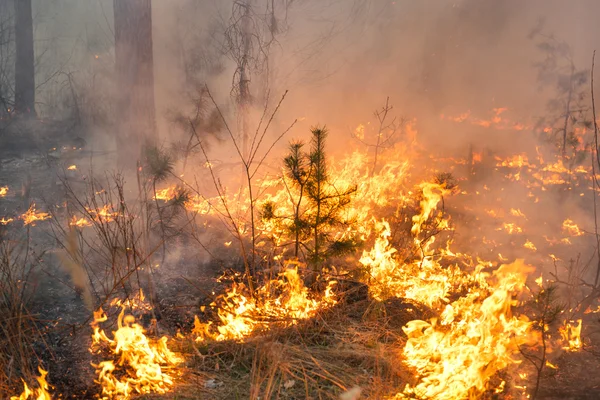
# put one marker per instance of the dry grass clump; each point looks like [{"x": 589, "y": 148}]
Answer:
[
  {"x": 19, "y": 335},
  {"x": 321, "y": 358}
]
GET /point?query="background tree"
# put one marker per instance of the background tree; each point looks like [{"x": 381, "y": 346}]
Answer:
[
  {"x": 135, "y": 116},
  {"x": 24, "y": 62},
  {"x": 567, "y": 109},
  {"x": 7, "y": 58}
]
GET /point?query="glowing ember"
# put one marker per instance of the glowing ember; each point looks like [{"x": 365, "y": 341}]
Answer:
[
  {"x": 40, "y": 393},
  {"x": 141, "y": 363},
  {"x": 31, "y": 216}
]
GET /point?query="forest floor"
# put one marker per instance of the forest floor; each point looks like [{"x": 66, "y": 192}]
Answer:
[{"x": 355, "y": 344}]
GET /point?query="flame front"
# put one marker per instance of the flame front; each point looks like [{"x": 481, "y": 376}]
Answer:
[
  {"x": 31, "y": 216},
  {"x": 39, "y": 393},
  {"x": 571, "y": 335},
  {"x": 141, "y": 364},
  {"x": 280, "y": 302},
  {"x": 475, "y": 337}
]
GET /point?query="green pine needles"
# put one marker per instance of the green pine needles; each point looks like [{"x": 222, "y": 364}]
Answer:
[{"x": 316, "y": 203}]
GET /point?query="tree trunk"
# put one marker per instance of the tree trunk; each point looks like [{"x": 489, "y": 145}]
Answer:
[
  {"x": 245, "y": 98},
  {"x": 135, "y": 114},
  {"x": 24, "y": 61}
]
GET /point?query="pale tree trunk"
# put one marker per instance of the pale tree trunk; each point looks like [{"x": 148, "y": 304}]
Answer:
[
  {"x": 24, "y": 61},
  {"x": 135, "y": 114}
]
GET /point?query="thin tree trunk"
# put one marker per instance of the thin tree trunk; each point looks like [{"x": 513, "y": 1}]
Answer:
[
  {"x": 24, "y": 63},
  {"x": 135, "y": 115},
  {"x": 567, "y": 113},
  {"x": 244, "y": 84}
]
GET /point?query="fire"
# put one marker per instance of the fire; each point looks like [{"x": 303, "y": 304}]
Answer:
[
  {"x": 475, "y": 337},
  {"x": 571, "y": 228},
  {"x": 81, "y": 222},
  {"x": 516, "y": 161},
  {"x": 31, "y": 216},
  {"x": 3, "y": 191},
  {"x": 72, "y": 167},
  {"x": 104, "y": 214},
  {"x": 424, "y": 280},
  {"x": 517, "y": 213},
  {"x": 40, "y": 393},
  {"x": 571, "y": 334},
  {"x": 166, "y": 194},
  {"x": 511, "y": 228},
  {"x": 6, "y": 221},
  {"x": 142, "y": 365},
  {"x": 432, "y": 195},
  {"x": 282, "y": 301}
]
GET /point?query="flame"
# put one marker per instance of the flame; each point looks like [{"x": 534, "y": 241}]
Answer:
[
  {"x": 516, "y": 161},
  {"x": 40, "y": 393},
  {"x": 517, "y": 213},
  {"x": 166, "y": 194},
  {"x": 475, "y": 337},
  {"x": 6, "y": 221},
  {"x": 571, "y": 228},
  {"x": 72, "y": 167},
  {"x": 141, "y": 364},
  {"x": 282, "y": 301},
  {"x": 81, "y": 222},
  {"x": 3, "y": 191},
  {"x": 31, "y": 216},
  {"x": 571, "y": 334},
  {"x": 432, "y": 195},
  {"x": 511, "y": 228},
  {"x": 104, "y": 214}
]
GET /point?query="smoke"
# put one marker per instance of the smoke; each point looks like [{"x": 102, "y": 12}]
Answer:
[{"x": 339, "y": 60}]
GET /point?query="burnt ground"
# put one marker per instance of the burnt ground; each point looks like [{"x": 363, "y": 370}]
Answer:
[{"x": 358, "y": 336}]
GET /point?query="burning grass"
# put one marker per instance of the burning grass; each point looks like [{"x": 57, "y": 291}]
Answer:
[
  {"x": 141, "y": 364},
  {"x": 347, "y": 276}
]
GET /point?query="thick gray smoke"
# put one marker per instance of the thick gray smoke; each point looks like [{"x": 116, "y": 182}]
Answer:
[{"x": 339, "y": 60}]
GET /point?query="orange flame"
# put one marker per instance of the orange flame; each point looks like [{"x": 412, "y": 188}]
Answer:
[
  {"x": 475, "y": 337},
  {"x": 571, "y": 334},
  {"x": 30, "y": 217},
  {"x": 241, "y": 314},
  {"x": 81, "y": 222},
  {"x": 142, "y": 363},
  {"x": 41, "y": 393}
]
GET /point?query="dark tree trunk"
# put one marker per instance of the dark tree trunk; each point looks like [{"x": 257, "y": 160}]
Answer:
[
  {"x": 24, "y": 69},
  {"x": 136, "y": 122}
]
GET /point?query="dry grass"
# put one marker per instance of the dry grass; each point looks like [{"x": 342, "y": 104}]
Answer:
[
  {"x": 321, "y": 358},
  {"x": 20, "y": 338}
]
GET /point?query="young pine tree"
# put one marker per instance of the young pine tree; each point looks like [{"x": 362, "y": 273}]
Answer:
[{"x": 317, "y": 204}]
